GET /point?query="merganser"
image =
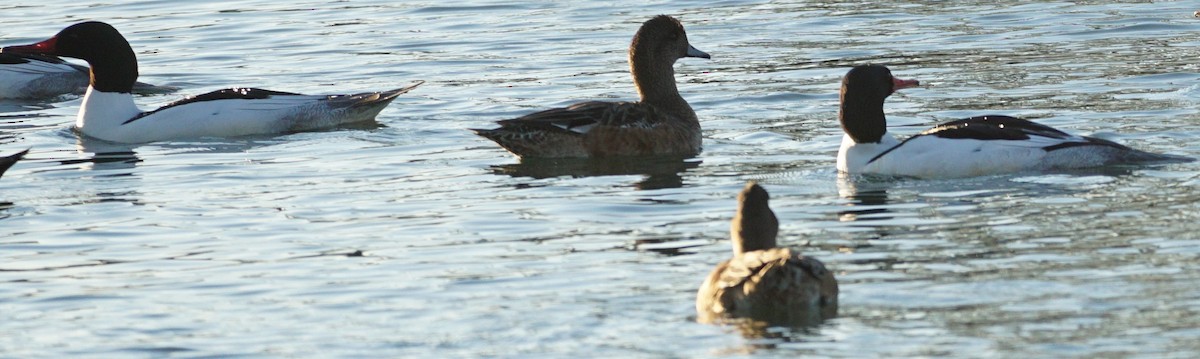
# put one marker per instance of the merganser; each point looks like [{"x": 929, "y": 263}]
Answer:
[
  {"x": 29, "y": 76},
  {"x": 109, "y": 113},
  {"x": 662, "y": 123},
  {"x": 10, "y": 160},
  {"x": 763, "y": 282},
  {"x": 975, "y": 146}
]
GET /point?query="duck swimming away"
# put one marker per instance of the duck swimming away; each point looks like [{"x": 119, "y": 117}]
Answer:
[
  {"x": 661, "y": 123},
  {"x": 763, "y": 282},
  {"x": 109, "y": 113},
  {"x": 976, "y": 146}
]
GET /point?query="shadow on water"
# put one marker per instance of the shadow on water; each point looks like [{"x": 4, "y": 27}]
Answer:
[{"x": 660, "y": 172}]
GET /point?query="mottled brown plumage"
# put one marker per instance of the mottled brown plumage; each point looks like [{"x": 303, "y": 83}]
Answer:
[
  {"x": 764, "y": 283},
  {"x": 662, "y": 123}
]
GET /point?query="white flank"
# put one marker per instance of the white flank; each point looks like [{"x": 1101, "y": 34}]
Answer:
[
  {"x": 935, "y": 157},
  {"x": 104, "y": 115}
]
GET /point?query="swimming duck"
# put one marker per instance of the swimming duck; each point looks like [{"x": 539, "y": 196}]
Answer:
[
  {"x": 109, "y": 113},
  {"x": 661, "y": 123},
  {"x": 974, "y": 146},
  {"x": 763, "y": 282}
]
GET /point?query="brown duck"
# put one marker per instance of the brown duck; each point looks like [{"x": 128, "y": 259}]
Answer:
[
  {"x": 662, "y": 123},
  {"x": 762, "y": 282}
]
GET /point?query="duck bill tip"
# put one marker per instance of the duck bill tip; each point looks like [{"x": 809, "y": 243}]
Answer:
[
  {"x": 44, "y": 47},
  {"x": 692, "y": 51},
  {"x": 899, "y": 83}
]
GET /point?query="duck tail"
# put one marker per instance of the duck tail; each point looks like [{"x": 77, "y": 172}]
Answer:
[{"x": 8, "y": 161}]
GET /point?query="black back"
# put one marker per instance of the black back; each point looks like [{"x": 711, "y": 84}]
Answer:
[
  {"x": 996, "y": 128},
  {"x": 239, "y": 93}
]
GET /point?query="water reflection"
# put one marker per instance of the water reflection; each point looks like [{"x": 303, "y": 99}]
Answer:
[
  {"x": 669, "y": 246},
  {"x": 661, "y": 172},
  {"x": 766, "y": 335},
  {"x": 11, "y": 126},
  {"x": 7, "y": 106},
  {"x": 100, "y": 155},
  {"x": 869, "y": 198}
]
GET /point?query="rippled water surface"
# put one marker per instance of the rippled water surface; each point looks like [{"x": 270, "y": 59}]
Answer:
[{"x": 416, "y": 238}]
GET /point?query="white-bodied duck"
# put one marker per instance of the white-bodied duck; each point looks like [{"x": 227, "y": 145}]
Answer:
[
  {"x": 974, "y": 146},
  {"x": 109, "y": 113}
]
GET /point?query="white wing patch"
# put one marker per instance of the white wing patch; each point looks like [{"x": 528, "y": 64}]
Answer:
[{"x": 576, "y": 129}]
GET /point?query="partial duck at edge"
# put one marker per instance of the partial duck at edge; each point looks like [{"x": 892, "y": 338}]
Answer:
[
  {"x": 109, "y": 113},
  {"x": 7, "y": 162}
]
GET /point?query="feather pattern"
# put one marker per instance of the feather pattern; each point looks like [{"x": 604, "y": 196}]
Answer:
[
  {"x": 762, "y": 282},
  {"x": 28, "y": 76},
  {"x": 597, "y": 129}
]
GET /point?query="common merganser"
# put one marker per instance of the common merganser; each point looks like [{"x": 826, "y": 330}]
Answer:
[
  {"x": 109, "y": 113},
  {"x": 974, "y": 146},
  {"x": 29, "y": 76},
  {"x": 763, "y": 282},
  {"x": 10, "y": 160},
  {"x": 662, "y": 123}
]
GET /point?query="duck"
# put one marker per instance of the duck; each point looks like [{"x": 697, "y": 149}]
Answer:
[
  {"x": 109, "y": 113},
  {"x": 764, "y": 282},
  {"x": 30, "y": 77},
  {"x": 660, "y": 123},
  {"x": 976, "y": 146},
  {"x": 7, "y": 162}
]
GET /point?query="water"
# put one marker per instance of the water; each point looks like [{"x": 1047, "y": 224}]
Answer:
[{"x": 418, "y": 239}]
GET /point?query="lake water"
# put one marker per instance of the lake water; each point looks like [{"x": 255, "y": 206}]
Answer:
[{"x": 417, "y": 238}]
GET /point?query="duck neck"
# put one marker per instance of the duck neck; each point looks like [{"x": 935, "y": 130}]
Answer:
[
  {"x": 754, "y": 228},
  {"x": 103, "y": 111},
  {"x": 862, "y": 117},
  {"x": 655, "y": 80}
]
